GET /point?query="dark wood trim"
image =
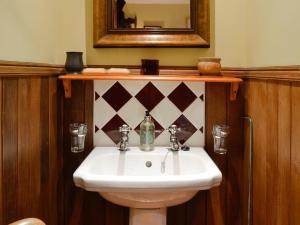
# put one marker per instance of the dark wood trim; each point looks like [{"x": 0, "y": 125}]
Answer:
[
  {"x": 1, "y": 157},
  {"x": 266, "y": 68},
  {"x": 31, "y": 64},
  {"x": 284, "y": 73},
  {"x": 288, "y": 73},
  {"x": 25, "y": 69}
]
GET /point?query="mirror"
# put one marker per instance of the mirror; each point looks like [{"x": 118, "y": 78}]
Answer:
[
  {"x": 151, "y": 23},
  {"x": 151, "y": 14}
]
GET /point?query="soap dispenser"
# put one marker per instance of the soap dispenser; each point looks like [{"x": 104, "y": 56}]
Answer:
[{"x": 147, "y": 130}]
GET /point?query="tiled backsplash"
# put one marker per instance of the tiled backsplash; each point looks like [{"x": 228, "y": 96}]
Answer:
[{"x": 119, "y": 102}]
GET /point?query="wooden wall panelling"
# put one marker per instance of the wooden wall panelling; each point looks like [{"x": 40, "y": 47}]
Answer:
[
  {"x": 235, "y": 161},
  {"x": 201, "y": 210},
  {"x": 72, "y": 111},
  {"x": 295, "y": 156},
  {"x": 257, "y": 110},
  {"x": 1, "y": 157},
  {"x": 115, "y": 214},
  {"x": 83, "y": 207},
  {"x": 28, "y": 180},
  {"x": 245, "y": 165},
  {"x": 284, "y": 153},
  {"x": 176, "y": 215},
  {"x": 27, "y": 69},
  {"x": 216, "y": 113},
  {"x": 10, "y": 149},
  {"x": 54, "y": 164},
  {"x": 196, "y": 209},
  {"x": 93, "y": 203},
  {"x": 274, "y": 107},
  {"x": 271, "y": 151},
  {"x": 28, "y": 155},
  {"x": 44, "y": 148}
]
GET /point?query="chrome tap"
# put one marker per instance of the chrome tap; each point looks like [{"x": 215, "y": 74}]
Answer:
[
  {"x": 174, "y": 144},
  {"x": 124, "y": 130}
]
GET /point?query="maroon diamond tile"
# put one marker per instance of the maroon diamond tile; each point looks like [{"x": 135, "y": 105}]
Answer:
[
  {"x": 182, "y": 97},
  {"x": 158, "y": 128},
  {"x": 149, "y": 96},
  {"x": 96, "y": 129},
  {"x": 187, "y": 129},
  {"x": 202, "y": 97},
  {"x": 111, "y": 129},
  {"x": 97, "y": 96},
  {"x": 201, "y": 129},
  {"x": 117, "y": 96}
]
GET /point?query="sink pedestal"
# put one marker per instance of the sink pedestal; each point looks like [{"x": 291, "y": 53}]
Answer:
[{"x": 148, "y": 216}]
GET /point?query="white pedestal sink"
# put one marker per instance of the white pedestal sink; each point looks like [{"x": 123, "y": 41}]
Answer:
[{"x": 142, "y": 181}]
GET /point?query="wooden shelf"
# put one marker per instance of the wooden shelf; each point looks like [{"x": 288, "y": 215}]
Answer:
[{"x": 187, "y": 78}]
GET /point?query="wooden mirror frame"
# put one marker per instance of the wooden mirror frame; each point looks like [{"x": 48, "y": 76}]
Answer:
[{"x": 198, "y": 36}]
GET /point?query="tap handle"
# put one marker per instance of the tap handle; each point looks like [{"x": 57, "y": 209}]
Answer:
[
  {"x": 125, "y": 129},
  {"x": 173, "y": 129}
]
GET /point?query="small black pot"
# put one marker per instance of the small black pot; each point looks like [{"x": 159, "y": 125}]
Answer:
[{"x": 74, "y": 62}]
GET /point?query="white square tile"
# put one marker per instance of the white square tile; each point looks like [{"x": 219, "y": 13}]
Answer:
[
  {"x": 163, "y": 139},
  {"x": 103, "y": 112},
  {"x": 165, "y": 113},
  {"x": 101, "y": 139},
  {"x": 133, "y": 87},
  {"x": 134, "y": 138},
  {"x": 102, "y": 86},
  {"x": 196, "y": 140},
  {"x": 132, "y": 112},
  {"x": 166, "y": 87},
  {"x": 195, "y": 113},
  {"x": 197, "y": 87}
]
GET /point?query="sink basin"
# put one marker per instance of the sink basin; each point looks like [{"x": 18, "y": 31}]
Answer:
[{"x": 139, "y": 179}]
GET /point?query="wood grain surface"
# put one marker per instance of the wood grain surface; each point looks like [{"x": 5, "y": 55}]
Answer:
[
  {"x": 29, "y": 167},
  {"x": 275, "y": 108},
  {"x": 36, "y": 165},
  {"x": 28, "y": 144}
]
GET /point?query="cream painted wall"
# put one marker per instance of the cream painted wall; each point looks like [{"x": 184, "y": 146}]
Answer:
[
  {"x": 273, "y": 32},
  {"x": 28, "y": 30},
  {"x": 72, "y": 28},
  {"x": 133, "y": 56},
  {"x": 244, "y": 33},
  {"x": 41, "y": 30},
  {"x": 230, "y": 42}
]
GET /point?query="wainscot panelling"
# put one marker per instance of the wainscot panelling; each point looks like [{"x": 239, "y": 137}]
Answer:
[
  {"x": 29, "y": 160},
  {"x": 274, "y": 106},
  {"x": 222, "y": 205},
  {"x": 271, "y": 96},
  {"x": 82, "y": 207},
  {"x": 36, "y": 164}
]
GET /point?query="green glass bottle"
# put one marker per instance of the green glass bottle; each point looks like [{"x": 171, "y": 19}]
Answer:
[{"x": 147, "y": 130}]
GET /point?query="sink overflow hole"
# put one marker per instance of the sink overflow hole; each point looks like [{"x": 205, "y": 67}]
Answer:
[{"x": 148, "y": 163}]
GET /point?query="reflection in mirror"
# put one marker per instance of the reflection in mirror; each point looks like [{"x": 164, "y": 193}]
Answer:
[
  {"x": 151, "y": 14},
  {"x": 117, "y": 24}
]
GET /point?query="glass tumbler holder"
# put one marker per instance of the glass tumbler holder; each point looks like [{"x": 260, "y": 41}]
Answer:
[
  {"x": 78, "y": 132},
  {"x": 220, "y": 134}
]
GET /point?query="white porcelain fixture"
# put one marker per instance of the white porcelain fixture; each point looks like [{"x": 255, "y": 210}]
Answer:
[{"x": 143, "y": 180}]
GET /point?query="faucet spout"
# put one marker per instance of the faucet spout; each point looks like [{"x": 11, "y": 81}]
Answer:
[
  {"x": 124, "y": 130},
  {"x": 174, "y": 144}
]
